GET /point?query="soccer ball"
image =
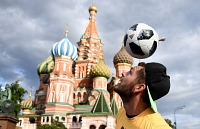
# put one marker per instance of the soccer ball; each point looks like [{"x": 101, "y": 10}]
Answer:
[{"x": 141, "y": 41}]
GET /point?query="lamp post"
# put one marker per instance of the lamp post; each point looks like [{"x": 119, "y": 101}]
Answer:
[{"x": 178, "y": 108}]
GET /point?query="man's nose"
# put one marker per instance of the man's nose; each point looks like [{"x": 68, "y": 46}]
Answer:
[{"x": 123, "y": 74}]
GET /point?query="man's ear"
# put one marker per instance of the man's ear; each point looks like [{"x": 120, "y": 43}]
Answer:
[{"x": 139, "y": 87}]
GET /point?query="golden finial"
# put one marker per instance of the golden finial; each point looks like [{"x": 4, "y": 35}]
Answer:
[
  {"x": 93, "y": 8},
  {"x": 30, "y": 95},
  {"x": 66, "y": 32}
]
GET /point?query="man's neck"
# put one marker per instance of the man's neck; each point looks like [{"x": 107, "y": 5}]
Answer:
[{"x": 135, "y": 106}]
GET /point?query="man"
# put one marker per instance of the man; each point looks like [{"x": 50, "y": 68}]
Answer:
[
  {"x": 139, "y": 88},
  {"x": 7, "y": 93}
]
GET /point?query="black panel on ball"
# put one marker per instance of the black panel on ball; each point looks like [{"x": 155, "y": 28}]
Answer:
[
  {"x": 153, "y": 48},
  {"x": 134, "y": 27},
  {"x": 145, "y": 34},
  {"x": 125, "y": 39},
  {"x": 136, "y": 49}
]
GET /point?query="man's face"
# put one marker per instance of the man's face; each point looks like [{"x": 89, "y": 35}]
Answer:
[{"x": 127, "y": 82}]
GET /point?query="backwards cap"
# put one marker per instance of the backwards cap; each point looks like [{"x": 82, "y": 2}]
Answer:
[{"x": 158, "y": 82}]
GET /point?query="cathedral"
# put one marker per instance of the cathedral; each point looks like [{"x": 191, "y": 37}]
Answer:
[{"x": 74, "y": 87}]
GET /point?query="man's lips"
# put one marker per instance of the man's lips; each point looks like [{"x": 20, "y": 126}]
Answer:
[{"x": 118, "y": 82}]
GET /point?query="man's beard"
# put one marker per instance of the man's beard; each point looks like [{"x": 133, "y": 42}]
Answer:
[{"x": 125, "y": 91}]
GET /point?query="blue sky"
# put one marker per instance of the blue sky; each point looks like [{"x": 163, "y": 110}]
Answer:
[{"x": 29, "y": 28}]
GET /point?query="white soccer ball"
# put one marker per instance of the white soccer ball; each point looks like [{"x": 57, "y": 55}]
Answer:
[{"x": 141, "y": 41}]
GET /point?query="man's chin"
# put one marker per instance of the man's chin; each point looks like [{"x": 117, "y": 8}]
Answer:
[{"x": 117, "y": 88}]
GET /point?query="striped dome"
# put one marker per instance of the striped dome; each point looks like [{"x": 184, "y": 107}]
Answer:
[
  {"x": 122, "y": 57},
  {"x": 65, "y": 48},
  {"x": 27, "y": 104},
  {"x": 46, "y": 66},
  {"x": 100, "y": 70}
]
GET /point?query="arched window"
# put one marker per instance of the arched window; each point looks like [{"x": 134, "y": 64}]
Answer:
[
  {"x": 63, "y": 119},
  {"x": 92, "y": 127},
  {"x": 79, "y": 97},
  {"x": 31, "y": 120},
  {"x": 102, "y": 127},
  {"x": 43, "y": 119},
  {"x": 84, "y": 97},
  {"x": 47, "y": 119},
  {"x": 57, "y": 118},
  {"x": 74, "y": 96},
  {"x": 80, "y": 119},
  {"x": 74, "y": 119},
  {"x": 20, "y": 122}
]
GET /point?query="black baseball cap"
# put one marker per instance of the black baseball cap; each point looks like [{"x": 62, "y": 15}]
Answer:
[{"x": 157, "y": 81}]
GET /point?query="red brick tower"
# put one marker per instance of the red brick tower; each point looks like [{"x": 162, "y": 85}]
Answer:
[{"x": 89, "y": 51}]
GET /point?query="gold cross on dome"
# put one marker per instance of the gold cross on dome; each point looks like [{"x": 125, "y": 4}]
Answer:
[{"x": 66, "y": 32}]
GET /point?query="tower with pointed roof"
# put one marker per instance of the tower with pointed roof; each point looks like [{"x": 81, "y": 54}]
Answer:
[{"x": 89, "y": 50}]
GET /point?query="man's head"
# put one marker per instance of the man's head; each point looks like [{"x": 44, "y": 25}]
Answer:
[
  {"x": 131, "y": 83},
  {"x": 7, "y": 86},
  {"x": 136, "y": 81}
]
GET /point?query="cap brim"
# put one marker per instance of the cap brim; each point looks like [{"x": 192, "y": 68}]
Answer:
[{"x": 152, "y": 102}]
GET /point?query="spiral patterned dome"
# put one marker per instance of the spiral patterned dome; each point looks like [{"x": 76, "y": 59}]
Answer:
[
  {"x": 46, "y": 66},
  {"x": 65, "y": 48},
  {"x": 27, "y": 104},
  {"x": 122, "y": 57},
  {"x": 100, "y": 70}
]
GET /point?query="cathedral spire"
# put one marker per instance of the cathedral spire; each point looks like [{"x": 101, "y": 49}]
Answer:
[
  {"x": 92, "y": 8},
  {"x": 91, "y": 30}
]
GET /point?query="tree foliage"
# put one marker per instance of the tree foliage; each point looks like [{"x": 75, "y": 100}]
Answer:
[
  {"x": 170, "y": 123},
  {"x": 54, "y": 125},
  {"x": 18, "y": 93}
]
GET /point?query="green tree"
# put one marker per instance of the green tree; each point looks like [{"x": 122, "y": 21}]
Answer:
[
  {"x": 54, "y": 125},
  {"x": 170, "y": 123},
  {"x": 17, "y": 96}
]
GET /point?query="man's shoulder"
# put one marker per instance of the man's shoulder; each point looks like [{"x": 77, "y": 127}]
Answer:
[
  {"x": 121, "y": 112},
  {"x": 157, "y": 121}
]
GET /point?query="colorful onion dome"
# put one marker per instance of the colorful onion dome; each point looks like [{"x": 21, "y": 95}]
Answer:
[
  {"x": 28, "y": 103},
  {"x": 46, "y": 66},
  {"x": 122, "y": 57},
  {"x": 65, "y": 48},
  {"x": 92, "y": 8},
  {"x": 100, "y": 70}
]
